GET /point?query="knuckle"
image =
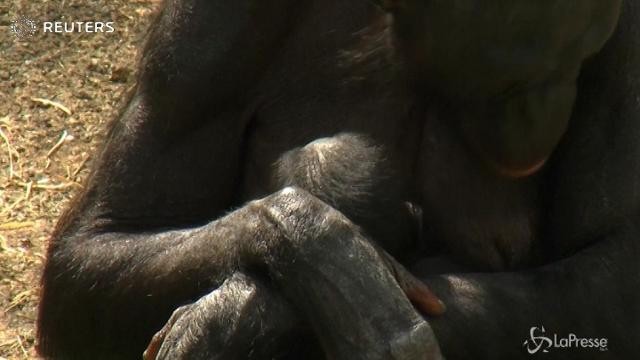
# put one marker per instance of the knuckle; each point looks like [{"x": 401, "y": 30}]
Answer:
[{"x": 299, "y": 216}]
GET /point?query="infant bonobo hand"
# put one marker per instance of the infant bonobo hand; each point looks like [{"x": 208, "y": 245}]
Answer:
[{"x": 352, "y": 175}]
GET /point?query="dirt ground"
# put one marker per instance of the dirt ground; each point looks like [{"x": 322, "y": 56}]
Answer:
[{"x": 57, "y": 93}]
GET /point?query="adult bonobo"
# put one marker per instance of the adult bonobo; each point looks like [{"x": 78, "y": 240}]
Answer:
[{"x": 277, "y": 157}]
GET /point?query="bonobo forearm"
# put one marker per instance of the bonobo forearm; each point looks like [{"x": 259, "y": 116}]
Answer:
[
  {"x": 152, "y": 260},
  {"x": 490, "y": 315},
  {"x": 142, "y": 275}
]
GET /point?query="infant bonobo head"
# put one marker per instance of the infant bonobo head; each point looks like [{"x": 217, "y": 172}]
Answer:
[
  {"x": 352, "y": 175},
  {"x": 508, "y": 67}
]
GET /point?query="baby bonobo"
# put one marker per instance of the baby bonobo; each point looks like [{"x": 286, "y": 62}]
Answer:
[{"x": 352, "y": 175}]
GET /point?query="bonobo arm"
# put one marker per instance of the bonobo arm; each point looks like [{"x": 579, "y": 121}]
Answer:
[
  {"x": 171, "y": 161},
  {"x": 189, "y": 114},
  {"x": 593, "y": 294},
  {"x": 115, "y": 287},
  {"x": 593, "y": 225},
  {"x": 106, "y": 294}
]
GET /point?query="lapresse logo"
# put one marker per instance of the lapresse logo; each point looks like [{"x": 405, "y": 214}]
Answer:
[
  {"x": 24, "y": 27},
  {"x": 538, "y": 342}
]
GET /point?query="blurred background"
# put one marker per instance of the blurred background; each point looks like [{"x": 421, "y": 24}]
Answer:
[{"x": 57, "y": 93}]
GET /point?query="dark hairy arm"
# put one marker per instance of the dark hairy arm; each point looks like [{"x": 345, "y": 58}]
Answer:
[
  {"x": 489, "y": 316},
  {"x": 141, "y": 240}
]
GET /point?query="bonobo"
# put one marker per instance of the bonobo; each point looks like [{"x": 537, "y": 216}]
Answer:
[{"x": 281, "y": 164}]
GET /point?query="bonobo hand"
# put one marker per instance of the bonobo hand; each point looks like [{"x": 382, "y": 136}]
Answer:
[{"x": 346, "y": 289}]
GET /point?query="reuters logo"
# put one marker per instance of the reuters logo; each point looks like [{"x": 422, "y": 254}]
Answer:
[{"x": 24, "y": 27}]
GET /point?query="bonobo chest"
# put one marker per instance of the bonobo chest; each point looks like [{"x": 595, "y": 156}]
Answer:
[{"x": 470, "y": 213}]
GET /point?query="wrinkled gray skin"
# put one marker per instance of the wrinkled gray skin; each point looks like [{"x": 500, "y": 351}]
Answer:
[{"x": 211, "y": 193}]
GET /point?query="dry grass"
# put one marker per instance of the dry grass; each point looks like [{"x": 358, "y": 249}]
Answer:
[{"x": 57, "y": 92}]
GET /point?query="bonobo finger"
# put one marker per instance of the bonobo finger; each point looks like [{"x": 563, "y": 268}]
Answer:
[
  {"x": 242, "y": 319},
  {"x": 422, "y": 298},
  {"x": 151, "y": 353}
]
